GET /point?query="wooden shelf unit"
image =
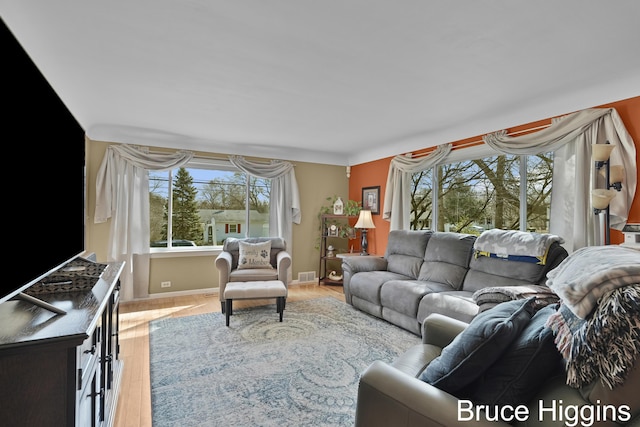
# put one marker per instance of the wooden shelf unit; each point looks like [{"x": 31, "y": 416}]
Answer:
[{"x": 340, "y": 242}]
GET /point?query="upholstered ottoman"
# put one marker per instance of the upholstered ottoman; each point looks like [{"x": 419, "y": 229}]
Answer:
[{"x": 255, "y": 290}]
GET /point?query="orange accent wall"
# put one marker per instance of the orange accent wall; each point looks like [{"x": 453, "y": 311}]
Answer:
[{"x": 375, "y": 173}]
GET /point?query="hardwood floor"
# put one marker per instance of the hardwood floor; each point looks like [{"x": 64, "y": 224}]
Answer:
[{"x": 134, "y": 402}]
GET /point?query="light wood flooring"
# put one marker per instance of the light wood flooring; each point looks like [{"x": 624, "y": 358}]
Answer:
[{"x": 134, "y": 402}]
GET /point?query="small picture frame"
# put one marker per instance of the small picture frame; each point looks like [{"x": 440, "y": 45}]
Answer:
[{"x": 371, "y": 199}]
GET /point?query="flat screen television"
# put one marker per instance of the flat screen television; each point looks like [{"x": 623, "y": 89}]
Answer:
[{"x": 44, "y": 175}]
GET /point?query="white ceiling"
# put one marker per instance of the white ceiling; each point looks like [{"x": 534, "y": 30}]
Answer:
[{"x": 327, "y": 81}]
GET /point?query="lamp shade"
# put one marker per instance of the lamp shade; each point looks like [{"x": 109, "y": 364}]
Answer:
[
  {"x": 600, "y": 197},
  {"x": 365, "y": 220},
  {"x": 616, "y": 174},
  {"x": 601, "y": 152}
]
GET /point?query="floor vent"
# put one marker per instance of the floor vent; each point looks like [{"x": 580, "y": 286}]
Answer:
[{"x": 307, "y": 276}]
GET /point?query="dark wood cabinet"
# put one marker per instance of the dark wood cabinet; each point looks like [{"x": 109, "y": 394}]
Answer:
[{"x": 63, "y": 369}]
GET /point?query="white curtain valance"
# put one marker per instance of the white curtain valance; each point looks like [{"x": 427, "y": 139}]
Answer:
[
  {"x": 570, "y": 138},
  {"x": 122, "y": 194},
  {"x": 397, "y": 197},
  {"x": 284, "y": 203}
]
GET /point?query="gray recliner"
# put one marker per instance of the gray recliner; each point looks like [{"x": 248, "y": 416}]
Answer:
[{"x": 227, "y": 264}]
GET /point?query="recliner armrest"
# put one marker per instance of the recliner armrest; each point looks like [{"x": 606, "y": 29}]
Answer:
[
  {"x": 440, "y": 330},
  {"x": 356, "y": 264},
  {"x": 389, "y": 397}
]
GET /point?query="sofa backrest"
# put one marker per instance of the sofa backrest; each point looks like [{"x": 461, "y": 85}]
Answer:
[
  {"x": 446, "y": 259},
  {"x": 232, "y": 245},
  {"x": 485, "y": 271},
  {"x": 405, "y": 251}
]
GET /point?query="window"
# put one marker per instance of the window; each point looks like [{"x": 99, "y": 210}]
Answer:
[
  {"x": 210, "y": 201},
  {"x": 474, "y": 195}
]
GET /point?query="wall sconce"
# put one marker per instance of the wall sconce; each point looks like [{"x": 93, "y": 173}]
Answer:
[
  {"x": 348, "y": 171},
  {"x": 365, "y": 221},
  {"x": 614, "y": 176}
]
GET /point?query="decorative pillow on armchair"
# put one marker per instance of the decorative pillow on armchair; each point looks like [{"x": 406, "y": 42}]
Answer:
[
  {"x": 254, "y": 255},
  {"x": 476, "y": 348}
]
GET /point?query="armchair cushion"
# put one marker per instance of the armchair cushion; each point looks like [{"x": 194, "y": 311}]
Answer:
[
  {"x": 478, "y": 346},
  {"x": 255, "y": 255}
]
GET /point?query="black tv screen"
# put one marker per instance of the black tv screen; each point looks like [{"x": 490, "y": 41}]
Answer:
[{"x": 44, "y": 174}]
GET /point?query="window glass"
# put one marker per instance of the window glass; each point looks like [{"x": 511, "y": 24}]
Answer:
[
  {"x": 539, "y": 179},
  {"x": 479, "y": 194},
  {"x": 207, "y": 206},
  {"x": 421, "y": 200}
]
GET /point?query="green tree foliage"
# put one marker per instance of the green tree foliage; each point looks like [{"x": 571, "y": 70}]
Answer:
[
  {"x": 230, "y": 193},
  {"x": 483, "y": 193},
  {"x": 186, "y": 221},
  {"x": 157, "y": 217}
]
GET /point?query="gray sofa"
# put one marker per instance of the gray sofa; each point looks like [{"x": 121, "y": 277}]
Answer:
[
  {"x": 426, "y": 272},
  {"x": 571, "y": 363}
]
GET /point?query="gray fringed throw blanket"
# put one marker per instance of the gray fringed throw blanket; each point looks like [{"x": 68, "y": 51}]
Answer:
[
  {"x": 590, "y": 272},
  {"x": 606, "y": 345}
]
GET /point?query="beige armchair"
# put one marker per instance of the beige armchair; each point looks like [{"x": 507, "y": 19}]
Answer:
[{"x": 227, "y": 264}]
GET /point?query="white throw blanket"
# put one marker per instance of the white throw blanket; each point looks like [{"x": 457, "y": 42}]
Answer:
[
  {"x": 505, "y": 243},
  {"x": 590, "y": 272}
]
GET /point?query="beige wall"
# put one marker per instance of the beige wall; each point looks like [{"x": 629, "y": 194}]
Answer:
[{"x": 316, "y": 183}]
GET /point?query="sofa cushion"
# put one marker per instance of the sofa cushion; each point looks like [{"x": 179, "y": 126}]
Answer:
[
  {"x": 255, "y": 255},
  {"x": 485, "y": 271},
  {"x": 405, "y": 251},
  {"x": 524, "y": 367},
  {"x": 446, "y": 259},
  {"x": 478, "y": 346},
  {"x": 404, "y": 296},
  {"x": 455, "y": 304},
  {"x": 366, "y": 284}
]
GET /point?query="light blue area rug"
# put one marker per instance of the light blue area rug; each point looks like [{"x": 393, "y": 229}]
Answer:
[{"x": 260, "y": 372}]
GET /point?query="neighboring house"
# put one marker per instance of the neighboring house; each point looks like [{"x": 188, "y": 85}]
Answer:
[{"x": 220, "y": 224}]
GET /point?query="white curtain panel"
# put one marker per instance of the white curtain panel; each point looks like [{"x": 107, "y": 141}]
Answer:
[
  {"x": 284, "y": 202},
  {"x": 397, "y": 196},
  {"x": 574, "y": 175},
  {"x": 122, "y": 194}
]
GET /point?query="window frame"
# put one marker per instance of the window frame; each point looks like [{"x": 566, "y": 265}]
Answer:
[
  {"x": 205, "y": 164},
  {"x": 474, "y": 153}
]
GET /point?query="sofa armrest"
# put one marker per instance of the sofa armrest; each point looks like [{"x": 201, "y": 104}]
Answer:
[
  {"x": 389, "y": 397},
  {"x": 440, "y": 330},
  {"x": 357, "y": 264}
]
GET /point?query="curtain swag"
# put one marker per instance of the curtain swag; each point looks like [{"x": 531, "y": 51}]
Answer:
[
  {"x": 284, "y": 203},
  {"x": 570, "y": 138},
  {"x": 397, "y": 197}
]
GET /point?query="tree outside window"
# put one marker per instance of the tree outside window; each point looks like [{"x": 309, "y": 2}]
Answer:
[
  {"x": 479, "y": 194},
  {"x": 208, "y": 205}
]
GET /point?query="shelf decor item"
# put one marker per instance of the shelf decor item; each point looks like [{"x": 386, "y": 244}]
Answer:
[
  {"x": 331, "y": 252},
  {"x": 338, "y": 207}
]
